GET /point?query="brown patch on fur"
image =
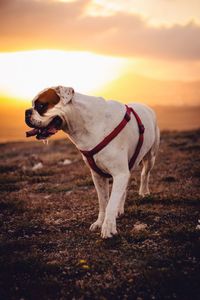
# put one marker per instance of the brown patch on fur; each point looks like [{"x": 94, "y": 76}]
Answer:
[{"x": 50, "y": 97}]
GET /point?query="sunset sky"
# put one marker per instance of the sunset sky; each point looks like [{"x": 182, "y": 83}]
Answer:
[
  {"x": 117, "y": 48},
  {"x": 128, "y": 50}
]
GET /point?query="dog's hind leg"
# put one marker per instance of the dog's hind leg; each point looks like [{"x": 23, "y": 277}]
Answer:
[
  {"x": 102, "y": 188},
  {"x": 148, "y": 164}
]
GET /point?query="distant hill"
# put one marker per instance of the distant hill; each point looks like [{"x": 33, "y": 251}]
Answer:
[{"x": 132, "y": 88}]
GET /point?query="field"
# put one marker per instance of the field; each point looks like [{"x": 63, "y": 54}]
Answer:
[{"x": 48, "y": 252}]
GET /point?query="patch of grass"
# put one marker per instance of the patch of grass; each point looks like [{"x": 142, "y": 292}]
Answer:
[
  {"x": 63, "y": 188},
  {"x": 6, "y": 168},
  {"x": 38, "y": 179},
  {"x": 84, "y": 182},
  {"x": 27, "y": 230},
  {"x": 12, "y": 205},
  {"x": 112, "y": 243},
  {"x": 178, "y": 145},
  {"x": 169, "y": 179},
  {"x": 11, "y": 246},
  {"x": 156, "y": 199},
  {"x": 9, "y": 188},
  {"x": 6, "y": 179},
  {"x": 37, "y": 278},
  {"x": 29, "y": 264},
  {"x": 43, "y": 173},
  {"x": 139, "y": 236},
  {"x": 54, "y": 189},
  {"x": 197, "y": 173},
  {"x": 181, "y": 233},
  {"x": 7, "y": 155},
  {"x": 191, "y": 148}
]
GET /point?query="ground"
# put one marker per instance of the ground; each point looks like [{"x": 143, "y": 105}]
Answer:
[{"x": 48, "y": 252}]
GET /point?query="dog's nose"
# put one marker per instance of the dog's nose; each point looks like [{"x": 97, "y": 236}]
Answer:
[{"x": 28, "y": 113}]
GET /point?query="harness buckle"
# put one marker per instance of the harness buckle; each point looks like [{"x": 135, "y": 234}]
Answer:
[{"x": 141, "y": 128}]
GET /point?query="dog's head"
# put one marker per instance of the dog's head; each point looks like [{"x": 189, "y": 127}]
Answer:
[{"x": 47, "y": 115}]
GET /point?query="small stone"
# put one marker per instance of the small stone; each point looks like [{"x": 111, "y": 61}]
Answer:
[
  {"x": 67, "y": 162},
  {"x": 198, "y": 225},
  {"x": 139, "y": 226},
  {"x": 37, "y": 166}
]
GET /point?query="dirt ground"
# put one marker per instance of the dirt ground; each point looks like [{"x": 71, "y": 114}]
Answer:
[{"x": 48, "y": 252}]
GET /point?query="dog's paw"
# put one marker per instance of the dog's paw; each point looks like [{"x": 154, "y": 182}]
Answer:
[
  {"x": 95, "y": 225},
  {"x": 144, "y": 193},
  {"x": 108, "y": 228}
]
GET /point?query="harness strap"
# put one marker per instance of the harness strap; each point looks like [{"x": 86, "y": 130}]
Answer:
[{"x": 89, "y": 154}]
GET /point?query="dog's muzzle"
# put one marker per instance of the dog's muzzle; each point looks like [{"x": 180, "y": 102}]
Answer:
[{"x": 42, "y": 132}]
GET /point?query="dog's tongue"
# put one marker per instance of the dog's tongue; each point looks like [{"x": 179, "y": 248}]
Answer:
[
  {"x": 52, "y": 130},
  {"x": 41, "y": 133},
  {"x": 32, "y": 132},
  {"x": 45, "y": 132}
]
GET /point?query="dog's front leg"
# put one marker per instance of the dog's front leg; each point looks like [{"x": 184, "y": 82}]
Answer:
[
  {"x": 119, "y": 187},
  {"x": 102, "y": 188}
]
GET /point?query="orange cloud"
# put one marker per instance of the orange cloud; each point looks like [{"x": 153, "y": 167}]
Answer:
[{"x": 65, "y": 25}]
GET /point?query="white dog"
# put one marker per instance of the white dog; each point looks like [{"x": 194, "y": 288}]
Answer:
[{"x": 116, "y": 129}]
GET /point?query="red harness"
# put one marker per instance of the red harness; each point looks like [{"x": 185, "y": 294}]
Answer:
[{"x": 89, "y": 154}]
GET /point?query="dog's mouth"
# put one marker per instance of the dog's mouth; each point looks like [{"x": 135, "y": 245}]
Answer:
[{"x": 43, "y": 133}]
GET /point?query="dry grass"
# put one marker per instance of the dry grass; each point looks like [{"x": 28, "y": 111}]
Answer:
[{"x": 47, "y": 251}]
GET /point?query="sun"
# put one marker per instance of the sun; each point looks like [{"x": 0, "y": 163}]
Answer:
[{"x": 25, "y": 73}]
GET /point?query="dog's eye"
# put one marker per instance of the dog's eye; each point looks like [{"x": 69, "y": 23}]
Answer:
[{"x": 40, "y": 107}]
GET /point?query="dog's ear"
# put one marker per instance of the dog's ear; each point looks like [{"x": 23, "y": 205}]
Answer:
[{"x": 65, "y": 93}]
